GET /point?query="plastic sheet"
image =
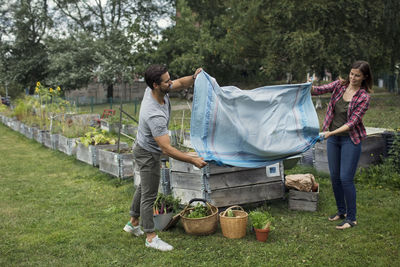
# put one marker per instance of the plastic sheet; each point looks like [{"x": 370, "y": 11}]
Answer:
[{"x": 251, "y": 128}]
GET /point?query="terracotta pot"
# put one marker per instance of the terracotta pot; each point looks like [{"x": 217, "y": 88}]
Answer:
[{"x": 262, "y": 234}]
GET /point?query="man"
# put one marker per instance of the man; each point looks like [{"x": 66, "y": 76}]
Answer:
[{"x": 152, "y": 140}]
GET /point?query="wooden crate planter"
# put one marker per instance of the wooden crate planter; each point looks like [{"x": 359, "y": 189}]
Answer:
[
  {"x": 129, "y": 129},
  {"x": 38, "y": 135},
  {"x": 28, "y": 132},
  {"x": 226, "y": 186},
  {"x": 15, "y": 125},
  {"x": 9, "y": 122},
  {"x": 306, "y": 201},
  {"x": 22, "y": 128},
  {"x": 51, "y": 140},
  {"x": 90, "y": 154},
  {"x": 109, "y": 127},
  {"x": 67, "y": 145},
  {"x": 373, "y": 148},
  {"x": 47, "y": 139},
  {"x": 118, "y": 165}
]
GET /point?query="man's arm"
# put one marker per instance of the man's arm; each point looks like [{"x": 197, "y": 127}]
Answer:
[
  {"x": 165, "y": 145},
  {"x": 185, "y": 82}
]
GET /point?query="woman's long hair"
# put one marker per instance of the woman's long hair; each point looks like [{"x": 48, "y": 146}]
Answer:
[{"x": 364, "y": 67}]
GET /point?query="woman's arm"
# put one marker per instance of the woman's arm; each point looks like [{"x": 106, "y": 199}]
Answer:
[
  {"x": 341, "y": 129},
  {"x": 359, "y": 111},
  {"x": 323, "y": 89}
]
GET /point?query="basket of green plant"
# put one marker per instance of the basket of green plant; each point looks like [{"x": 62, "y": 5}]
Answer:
[
  {"x": 164, "y": 209},
  {"x": 233, "y": 222},
  {"x": 199, "y": 219}
]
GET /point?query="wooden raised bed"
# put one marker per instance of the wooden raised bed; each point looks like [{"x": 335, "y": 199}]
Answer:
[
  {"x": 38, "y": 135},
  {"x": 373, "y": 148},
  {"x": 51, "y": 140},
  {"x": 225, "y": 186},
  {"x": 118, "y": 165},
  {"x": 90, "y": 154},
  {"x": 67, "y": 145}
]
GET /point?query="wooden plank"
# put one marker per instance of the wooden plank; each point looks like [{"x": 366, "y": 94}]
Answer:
[
  {"x": 186, "y": 194},
  {"x": 84, "y": 154},
  {"x": 307, "y": 196},
  {"x": 67, "y": 145},
  {"x": 247, "y": 194},
  {"x": 303, "y": 205},
  {"x": 180, "y": 166},
  {"x": 186, "y": 180},
  {"x": 240, "y": 178},
  {"x": 222, "y": 180}
]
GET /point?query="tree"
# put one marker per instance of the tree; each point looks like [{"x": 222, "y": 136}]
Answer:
[
  {"x": 119, "y": 29},
  {"x": 25, "y": 56}
]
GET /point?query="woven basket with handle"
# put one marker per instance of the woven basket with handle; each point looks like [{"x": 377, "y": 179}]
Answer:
[
  {"x": 234, "y": 227},
  {"x": 200, "y": 226}
]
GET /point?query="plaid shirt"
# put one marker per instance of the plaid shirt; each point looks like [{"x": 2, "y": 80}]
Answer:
[{"x": 358, "y": 106}]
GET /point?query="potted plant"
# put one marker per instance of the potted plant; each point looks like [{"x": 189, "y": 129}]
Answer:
[
  {"x": 164, "y": 209},
  {"x": 261, "y": 222}
]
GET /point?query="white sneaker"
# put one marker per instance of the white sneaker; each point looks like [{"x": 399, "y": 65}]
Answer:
[
  {"x": 135, "y": 230},
  {"x": 157, "y": 243}
]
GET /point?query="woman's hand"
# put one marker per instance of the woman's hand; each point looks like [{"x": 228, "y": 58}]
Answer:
[{"x": 326, "y": 134}]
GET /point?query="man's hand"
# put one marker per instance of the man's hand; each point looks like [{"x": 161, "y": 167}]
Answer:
[
  {"x": 198, "y": 162},
  {"x": 197, "y": 72}
]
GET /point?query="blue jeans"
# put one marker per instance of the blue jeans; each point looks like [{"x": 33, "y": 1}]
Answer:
[{"x": 343, "y": 156}]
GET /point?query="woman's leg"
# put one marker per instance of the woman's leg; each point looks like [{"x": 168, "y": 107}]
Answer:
[
  {"x": 334, "y": 162},
  {"x": 348, "y": 167}
]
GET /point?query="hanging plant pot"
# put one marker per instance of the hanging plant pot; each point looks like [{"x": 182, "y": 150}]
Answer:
[{"x": 262, "y": 234}]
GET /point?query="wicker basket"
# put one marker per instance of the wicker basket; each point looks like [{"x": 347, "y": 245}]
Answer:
[
  {"x": 234, "y": 227},
  {"x": 200, "y": 226}
]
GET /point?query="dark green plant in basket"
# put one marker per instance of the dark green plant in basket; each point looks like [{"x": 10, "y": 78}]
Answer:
[
  {"x": 165, "y": 204},
  {"x": 198, "y": 211}
]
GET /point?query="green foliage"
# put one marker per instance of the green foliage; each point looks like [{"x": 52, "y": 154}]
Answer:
[
  {"x": 261, "y": 219},
  {"x": 386, "y": 174},
  {"x": 230, "y": 213},
  {"x": 166, "y": 204},
  {"x": 96, "y": 137},
  {"x": 74, "y": 129},
  {"x": 198, "y": 211}
]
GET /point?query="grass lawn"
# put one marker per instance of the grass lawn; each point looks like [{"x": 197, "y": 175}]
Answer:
[{"x": 57, "y": 211}]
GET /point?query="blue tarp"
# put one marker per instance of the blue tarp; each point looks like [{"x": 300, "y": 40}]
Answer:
[{"x": 251, "y": 128}]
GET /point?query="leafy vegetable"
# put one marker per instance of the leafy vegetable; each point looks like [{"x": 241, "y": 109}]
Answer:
[
  {"x": 165, "y": 204},
  {"x": 198, "y": 211}
]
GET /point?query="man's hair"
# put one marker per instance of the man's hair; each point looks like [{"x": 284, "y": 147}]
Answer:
[{"x": 153, "y": 74}]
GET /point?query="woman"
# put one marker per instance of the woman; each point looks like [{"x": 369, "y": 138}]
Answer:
[{"x": 344, "y": 131}]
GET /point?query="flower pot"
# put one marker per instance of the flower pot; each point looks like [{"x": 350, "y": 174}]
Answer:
[
  {"x": 162, "y": 220},
  {"x": 262, "y": 234}
]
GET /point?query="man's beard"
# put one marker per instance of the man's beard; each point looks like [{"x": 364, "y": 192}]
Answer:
[{"x": 165, "y": 91}]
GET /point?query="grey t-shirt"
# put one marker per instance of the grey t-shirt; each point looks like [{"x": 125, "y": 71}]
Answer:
[{"x": 153, "y": 121}]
